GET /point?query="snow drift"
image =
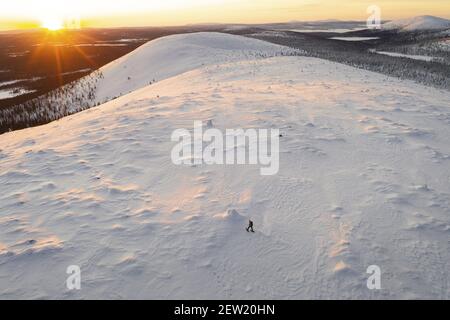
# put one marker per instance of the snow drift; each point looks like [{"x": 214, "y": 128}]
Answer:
[{"x": 364, "y": 180}]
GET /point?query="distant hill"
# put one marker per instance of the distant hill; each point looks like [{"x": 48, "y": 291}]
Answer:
[{"x": 418, "y": 23}]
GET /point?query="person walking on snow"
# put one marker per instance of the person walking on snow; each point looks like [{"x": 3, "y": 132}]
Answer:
[{"x": 250, "y": 226}]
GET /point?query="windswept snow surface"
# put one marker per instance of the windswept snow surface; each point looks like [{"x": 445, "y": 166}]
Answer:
[{"x": 364, "y": 180}]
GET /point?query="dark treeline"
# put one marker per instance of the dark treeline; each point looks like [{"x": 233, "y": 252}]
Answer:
[
  {"x": 358, "y": 54},
  {"x": 69, "y": 99}
]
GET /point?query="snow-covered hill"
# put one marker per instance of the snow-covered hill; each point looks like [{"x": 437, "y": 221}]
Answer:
[
  {"x": 418, "y": 23},
  {"x": 364, "y": 180},
  {"x": 155, "y": 61},
  {"x": 168, "y": 56}
]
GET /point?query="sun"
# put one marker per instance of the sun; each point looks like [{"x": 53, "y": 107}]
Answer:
[{"x": 52, "y": 23}]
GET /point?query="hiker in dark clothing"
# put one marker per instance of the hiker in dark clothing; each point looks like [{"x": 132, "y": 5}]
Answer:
[{"x": 250, "y": 226}]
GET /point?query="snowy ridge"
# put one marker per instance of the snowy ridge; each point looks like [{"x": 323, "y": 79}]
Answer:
[
  {"x": 155, "y": 61},
  {"x": 418, "y": 23},
  {"x": 364, "y": 180},
  {"x": 172, "y": 55}
]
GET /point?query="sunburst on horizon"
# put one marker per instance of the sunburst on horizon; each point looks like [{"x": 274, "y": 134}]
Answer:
[{"x": 52, "y": 23}]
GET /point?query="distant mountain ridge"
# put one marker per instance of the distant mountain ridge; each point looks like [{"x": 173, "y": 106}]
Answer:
[{"x": 418, "y": 23}]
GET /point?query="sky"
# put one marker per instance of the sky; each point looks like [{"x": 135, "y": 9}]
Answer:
[{"x": 17, "y": 14}]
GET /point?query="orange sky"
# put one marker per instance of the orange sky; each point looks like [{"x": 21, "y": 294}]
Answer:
[{"x": 113, "y": 13}]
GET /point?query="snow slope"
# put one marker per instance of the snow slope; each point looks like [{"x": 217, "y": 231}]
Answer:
[
  {"x": 168, "y": 56},
  {"x": 155, "y": 61},
  {"x": 418, "y": 23},
  {"x": 364, "y": 180}
]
